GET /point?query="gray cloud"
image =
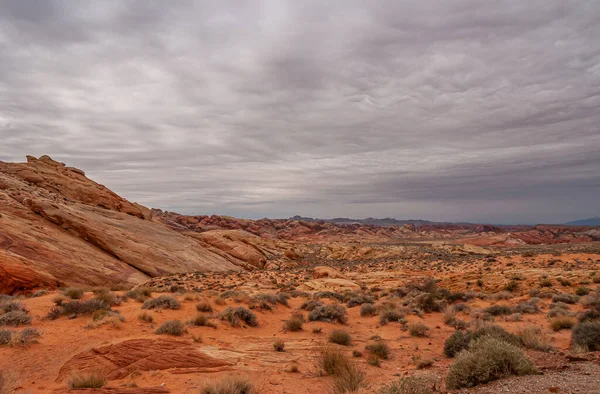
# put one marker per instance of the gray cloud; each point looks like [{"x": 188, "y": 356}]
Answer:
[{"x": 462, "y": 110}]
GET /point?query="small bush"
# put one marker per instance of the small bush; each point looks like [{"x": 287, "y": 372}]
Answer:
[
  {"x": 347, "y": 377},
  {"x": 529, "y": 306},
  {"x": 279, "y": 346},
  {"x": 204, "y": 307},
  {"x": 582, "y": 291},
  {"x": 15, "y": 318},
  {"x": 422, "y": 363},
  {"x": 566, "y": 298},
  {"x": 59, "y": 299},
  {"x": 317, "y": 330},
  {"x": 294, "y": 323},
  {"x": 311, "y": 305},
  {"x": 340, "y": 337},
  {"x": 460, "y": 340},
  {"x": 374, "y": 360},
  {"x": 587, "y": 335},
  {"x": 380, "y": 349},
  {"x": 330, "y": 313},
  {"x": 235, "y": 316},
  {"x": 93, "y": 380},
  {"x": 73, "y": 293},
  {"x": 498, "y": 310},
  {"x": 109, "y": 298},
  {"x": 390, "y": 315},
  {"x": 140, "y": 294},
  {"x": 368, "y": 309},
  {"x": 359, "y": 300},
  {"x": 562, "y": 322},
  {"x": 74, "y": 308},
  {"x": 511, "y": 286},
  {"x": 161, "y": 302},
  {"x": 486, "y": 360},
  {"x": 408, "y": 385},
  {"x": 356, "y": 353},
  {"x": 229, "y": 385},
  {"x": 588, "y": 315},
  {"x": 171, "y": 327},
  {"x": 418, "y": 329},
  {"x": 23, "y": 337},
  {"x": 13, "y": 306},
  {"x": 145, "y": 316},
  {"x": 202, "y": 321},
  {"x": 533, "y": 338},
  {"x": 545, "y": 282}
]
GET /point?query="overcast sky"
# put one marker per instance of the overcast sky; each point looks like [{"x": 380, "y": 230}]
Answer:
[{"x": 473, "y": 110}]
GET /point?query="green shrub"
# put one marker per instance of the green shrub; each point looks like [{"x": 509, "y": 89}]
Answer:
[
  {"x": 459, "y": 340},
  {"x": 486, "y": 360},
  {"x": 73, "y": 293},
  {"x": 161, "y": 302},
  {"x": 171, "y": 327},
  {"x": 235, "y": 316},
  {"x": 587, "y": 334},
  {"x": 380, "y": 349},
  {"x": 330, "y": 313},
  {"x": 340, "y": 337}
]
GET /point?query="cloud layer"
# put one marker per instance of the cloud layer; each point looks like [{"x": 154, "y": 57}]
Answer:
[{"x": 443, "y": 110}]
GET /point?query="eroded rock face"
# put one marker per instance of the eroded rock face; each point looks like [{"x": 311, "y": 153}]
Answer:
[
  {"x": 58, "y": 227},
  {"x": 327, "y": 272},
  {"x": 119, "y": 360}
]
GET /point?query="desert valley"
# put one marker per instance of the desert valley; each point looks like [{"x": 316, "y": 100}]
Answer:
[{"x": 103, "y": 295}]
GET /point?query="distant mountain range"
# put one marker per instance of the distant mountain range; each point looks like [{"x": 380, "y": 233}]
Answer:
[
  {"x": 586, "y": 222},
  {"x": 419, "y": 222},
  {"x": 376, "y": 221}
]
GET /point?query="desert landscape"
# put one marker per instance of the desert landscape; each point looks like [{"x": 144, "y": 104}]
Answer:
[{"x": 100, "y": 294}]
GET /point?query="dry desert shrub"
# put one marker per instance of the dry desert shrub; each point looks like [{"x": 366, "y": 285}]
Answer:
[
  {"x": 409, "y": 385},
  {"x": 562, "y": 322},
  {"x": 139, "y": 294},
  {"x": 73, "y": 293},
  {"x": 460, "y": 340},
  {"x": 312, "y": 304},
  {"x": 340, "y": 337},
  {"x": 532, "y": 337},
  {"x": 368, "y": 309},
  {"x": 586, "y": 335},
  {"x": 329, "y": 313},
  {"x": 487, "y": 359},
  {"x": 161, "y": 302},
  {"x": 145, "y": 316},
  {"x": 15, "y": 318},
  {"x": 380, "y": 349},
  {"x": 91, "y": 380},
  {"x": 566, "y": 298},
  {"x": 202, "y": 321},
  {"x": 13, "y": 306},
  {"x": 22, "y": 338},
  {"x": 229, "y": 385},
  {"x": 75, "y": 308},
  {"x": 418, "y": 329},
  {"x": 171, "y": 327},
  {"x": 235, "y": 316},
  {"x": 204, "y": 306},
  {"x": 294, "y": 323},
  {"x": 359, "y": 300},
  {"x": 279, "y": 346},
  {"x": 347, "y": 376}
]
